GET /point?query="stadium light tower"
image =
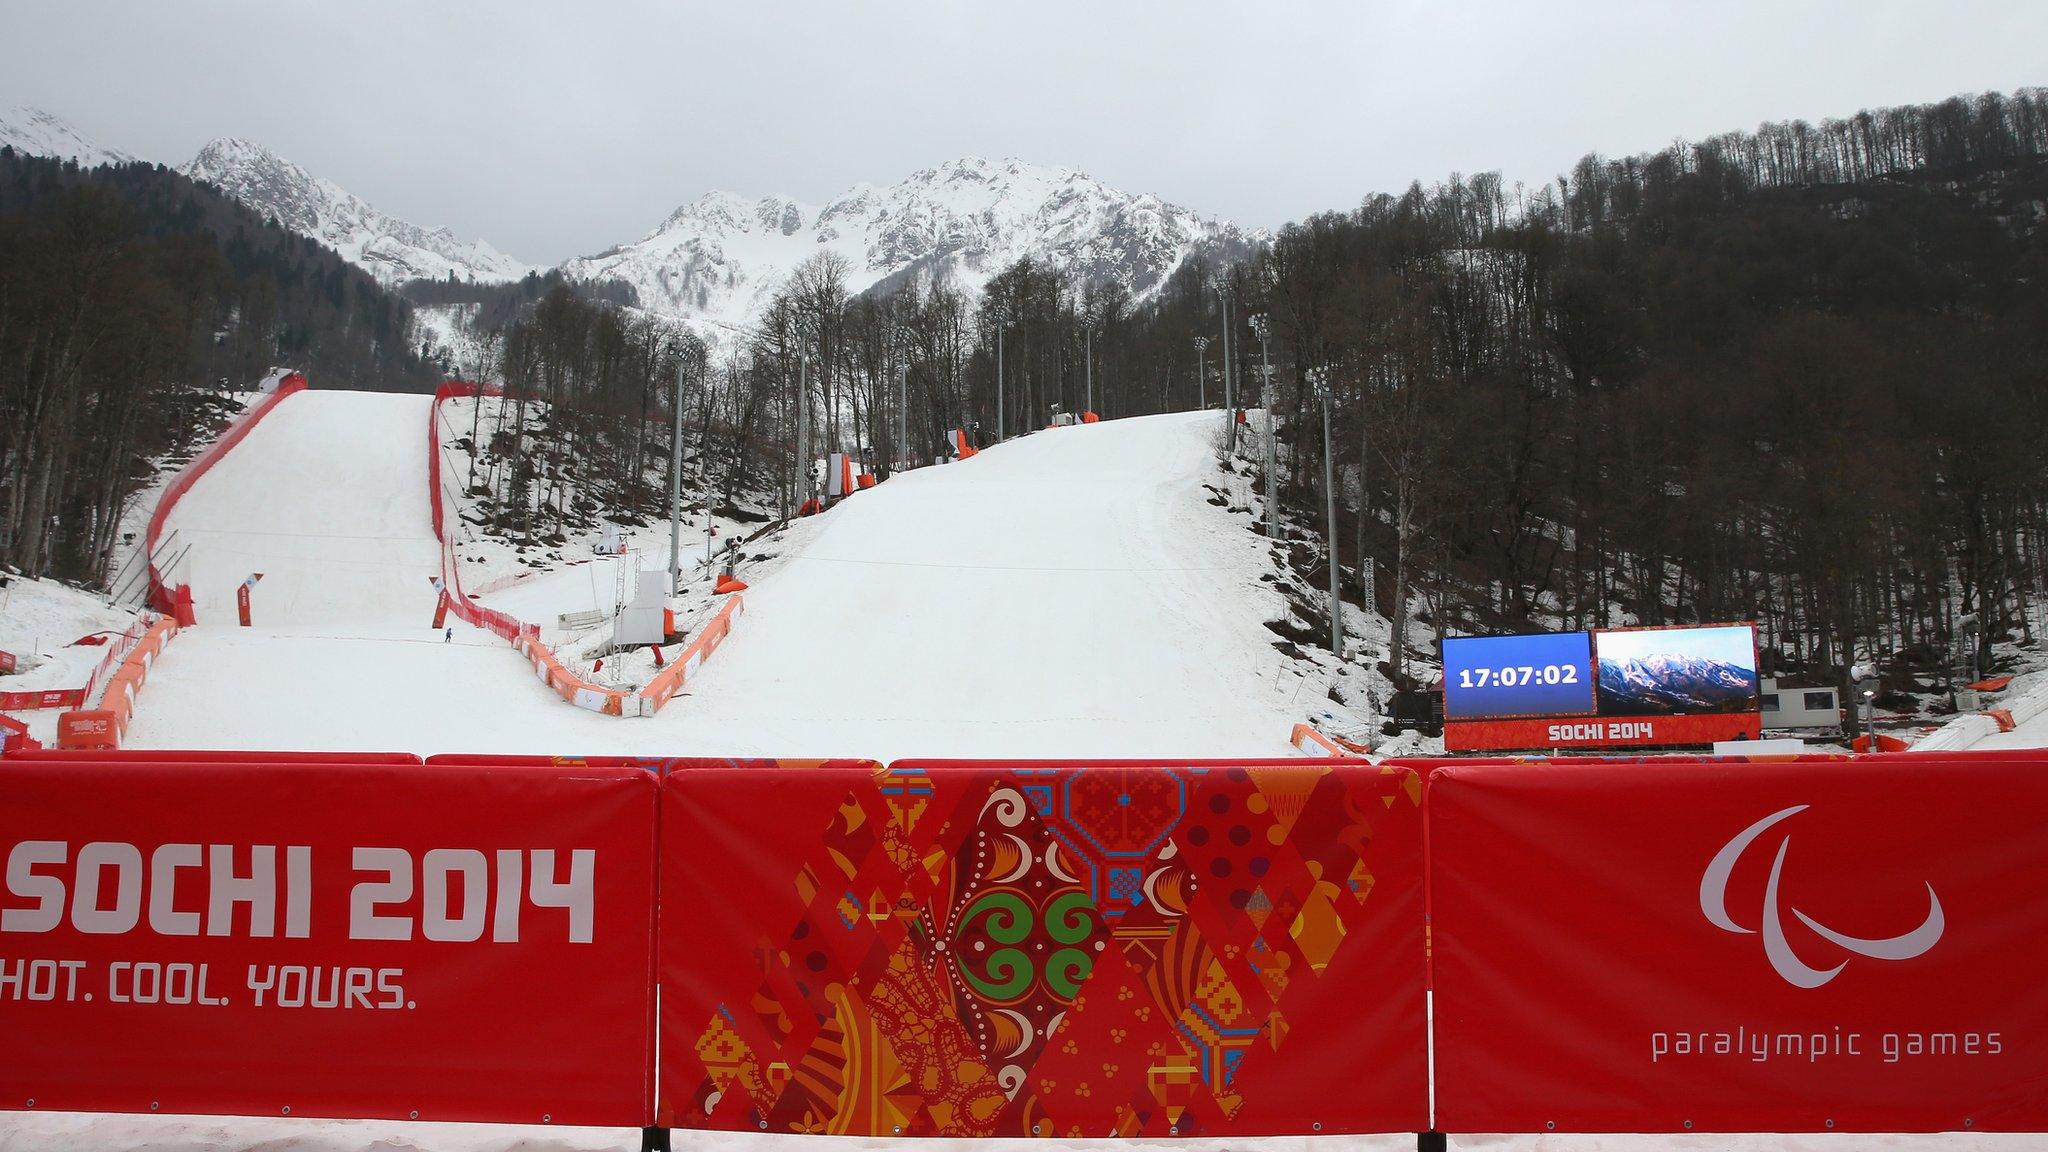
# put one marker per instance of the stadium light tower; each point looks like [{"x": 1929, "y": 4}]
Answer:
[
  {"x": 1201, "y": 381},
  {"x": 1263, "y": 326}
]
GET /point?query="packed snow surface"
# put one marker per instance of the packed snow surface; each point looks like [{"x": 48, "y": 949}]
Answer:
[
  {"x": 2032, "y": 734},
  {"x": 1070, "y": 593},
  {"x": 327, "y": 498}
]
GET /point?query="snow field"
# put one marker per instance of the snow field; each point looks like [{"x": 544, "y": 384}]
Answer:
[
  {"x": 327, "y": 498},
  {"x": 1070, "y": 593}
]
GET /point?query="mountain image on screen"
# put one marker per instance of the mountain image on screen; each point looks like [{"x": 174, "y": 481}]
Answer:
[{"x": 1662, "y": 684}]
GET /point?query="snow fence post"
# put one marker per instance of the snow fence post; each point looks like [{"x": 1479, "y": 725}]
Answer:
[
  {"x": 653, "y": 1139},
  {"x": 1432, "y": 1142}
]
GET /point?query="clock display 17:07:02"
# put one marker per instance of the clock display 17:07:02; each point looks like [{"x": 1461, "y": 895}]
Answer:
[{"x": 1514, "y": 676}]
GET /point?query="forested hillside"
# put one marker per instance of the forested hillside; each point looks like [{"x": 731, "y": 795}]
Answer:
[
  {"x": 1798, "y": 376},
  {"x": 129, "y": 298}
]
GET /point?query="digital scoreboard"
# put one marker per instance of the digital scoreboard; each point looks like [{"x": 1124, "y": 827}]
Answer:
[
  {"x": 1518, "y": 677},
  {"x": 1608, "y": 688}
]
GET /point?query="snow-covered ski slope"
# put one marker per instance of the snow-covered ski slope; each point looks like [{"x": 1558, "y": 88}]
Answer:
[
  {"x": 328, "y": 499},
  {"x": 1070, "y": 593}
]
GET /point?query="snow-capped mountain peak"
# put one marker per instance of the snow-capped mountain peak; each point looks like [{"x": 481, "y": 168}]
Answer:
[
  {"x": 39, "y": 133},
  {"x": 391, "y": 249},
  {"x": 721, "y": 257}
]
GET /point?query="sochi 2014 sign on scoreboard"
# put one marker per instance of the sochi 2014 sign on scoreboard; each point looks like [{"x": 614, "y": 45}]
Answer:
[{"x": 1613, "y": 688}]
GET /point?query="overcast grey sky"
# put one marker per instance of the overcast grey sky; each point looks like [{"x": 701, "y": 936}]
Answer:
[{"x": 559, "y": 129}]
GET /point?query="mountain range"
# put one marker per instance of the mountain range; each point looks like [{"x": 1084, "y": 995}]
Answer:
[
  {"x": 40, "y": 133},
  {"x": 388, "y": 248},
  {"x": 721, "y": 257},
  {"x": 1667, "y": 684}
]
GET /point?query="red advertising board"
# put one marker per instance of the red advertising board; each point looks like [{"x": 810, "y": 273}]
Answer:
[
  {"x": 376, "y": 941},
  {"x": 42, "y": 698},
  {"x": 1790, "y": 946},
  {"x": 986, "y": 949},
  {"x": 1601, "y": 732}
]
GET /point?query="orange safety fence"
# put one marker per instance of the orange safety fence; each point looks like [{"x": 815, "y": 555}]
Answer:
[
  {"x": 105, "y": 726},
  {"x": 177, "y": 601},
  {"x": 1306, "y": 739},
  {"x": 522, "y": 636},
  {"x": 566, "y": 684},
  {"x": 78, "y": 697},
  {"x": 671, "y": 679}
]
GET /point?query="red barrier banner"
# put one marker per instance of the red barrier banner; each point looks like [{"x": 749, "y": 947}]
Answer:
[
  {"x": 1776, "y": 947},
  {"x": 377, "y": 941},
  {"x": 988, "y": 949},
  {"x": 42, "y": 698},
  {"x": 1601, "y": 732},
  {"x": 227, "y": 756}
]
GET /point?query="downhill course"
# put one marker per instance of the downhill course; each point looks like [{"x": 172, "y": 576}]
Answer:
[
  {"x": 1068, "y": 593},
  {"x": 326, "y": 498}
]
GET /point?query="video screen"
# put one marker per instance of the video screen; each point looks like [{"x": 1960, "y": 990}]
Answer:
[
  {"x": 1677, "y": 671},
  {"x": 1517, "y": 677}
]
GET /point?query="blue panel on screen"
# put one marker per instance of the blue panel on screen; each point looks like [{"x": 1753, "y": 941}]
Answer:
[{"x": 1501, "y": 677}]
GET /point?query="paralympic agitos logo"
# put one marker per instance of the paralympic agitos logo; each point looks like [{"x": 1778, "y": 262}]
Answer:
[{"x": 1798, "y": 973}]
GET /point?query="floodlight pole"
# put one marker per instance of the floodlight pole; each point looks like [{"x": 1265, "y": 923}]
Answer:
[
  {"x": 675, "y": 481},
  {"x": 1264, "y": 327},
  {"x": 803, "y": 412},
  {"x": 999, "y": 379},
  {"x": 1322, "y": 381},
  {"x": 1201, "y": 381},
  {"x": 1229, "y": 397}
]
